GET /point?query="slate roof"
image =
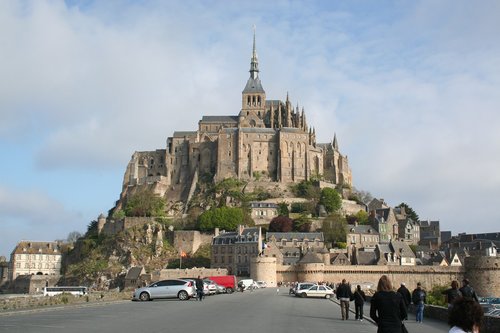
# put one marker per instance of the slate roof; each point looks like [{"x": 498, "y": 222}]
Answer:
[
  {"x": 134, "y": 273},
  {"x": 253, "y": 86},
  {"x": 219, "y": 119},
  {"x": 232, "y": 237},
  {"x": 361, "y": 229},
  {"x": 299, "y": 236},
  {"x": 366, "y": 258},
  {"x": 261, "y": 204},
  {"x": 181, "y": 134},
  {"x": 311, "y": 258},
  {"x": 402, "y": 248},
  {"x": 31, "y": 247}
]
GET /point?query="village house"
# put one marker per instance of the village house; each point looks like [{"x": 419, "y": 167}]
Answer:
[
  {"x": 233, "y": 250},
  {"x": 35, "y": 258}
]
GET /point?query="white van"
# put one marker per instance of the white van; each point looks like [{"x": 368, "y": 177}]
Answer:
[{"x": 246, "y": 283}]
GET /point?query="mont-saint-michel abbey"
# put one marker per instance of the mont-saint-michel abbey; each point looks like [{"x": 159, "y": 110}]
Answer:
[{"x": 267, "y": 139}]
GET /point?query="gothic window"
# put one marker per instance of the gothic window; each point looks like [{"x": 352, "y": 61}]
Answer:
[{"x": 248, "y": 100}]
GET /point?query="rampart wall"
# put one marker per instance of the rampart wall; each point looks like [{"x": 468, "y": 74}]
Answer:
[{"x": 189, "y": 241}]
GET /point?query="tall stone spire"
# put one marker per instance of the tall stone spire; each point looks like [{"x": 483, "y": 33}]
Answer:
[
  {"x": 254, "y": 64},
  {"x": 253, "y": 84}
]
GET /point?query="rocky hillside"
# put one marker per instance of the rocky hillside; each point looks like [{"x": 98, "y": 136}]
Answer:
[{"x": 102, "y": 261}]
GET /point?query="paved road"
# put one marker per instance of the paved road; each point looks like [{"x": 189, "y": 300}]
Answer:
[{"x": 260, "y": 311}]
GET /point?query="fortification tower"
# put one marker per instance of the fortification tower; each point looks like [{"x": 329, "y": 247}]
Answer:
[
  {"x": 483, "y": 274},
  {"x": 264, "y": 269}
]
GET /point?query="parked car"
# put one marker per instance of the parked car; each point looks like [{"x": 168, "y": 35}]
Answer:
[
  {"x": 301, "y": 286},
  {"x": 246, "y": 283},
  {"x": 262, "y": 284},
  {"x": 317, "y": 291},
  {"x": 174, "y": 288},
  {"x": 220, "y": 289},
  {"x": 211, "y": 288}
]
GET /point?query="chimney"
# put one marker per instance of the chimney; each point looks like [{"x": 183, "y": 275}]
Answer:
[
  {"x": 241, "y": 227},
  {"x": 216, "y": 232}
]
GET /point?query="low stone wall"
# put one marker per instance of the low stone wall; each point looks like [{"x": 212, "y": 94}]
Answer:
[
  {"x": 180, "y": 273},
  {"x": 26, "y": 302},
  {"x": 490, "y": 324}
]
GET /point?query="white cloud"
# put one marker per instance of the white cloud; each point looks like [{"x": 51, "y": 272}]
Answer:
[{"x": 31, "y": 214}]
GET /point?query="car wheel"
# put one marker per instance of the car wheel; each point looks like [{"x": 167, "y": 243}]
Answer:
[
  {"x": 327, "y": 296},
  {"x": 144, "y": 296},
  {"x": 303, "y": 295},
  {"x": 183, "y": 295},
  {"x": 229, "y": 290}
]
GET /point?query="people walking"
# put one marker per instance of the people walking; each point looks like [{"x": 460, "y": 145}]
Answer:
[
  {"x": 199, "y": 288},
  {"x": 344, "y": 295},
  {"x": 406, "y": 295},
  {"x": 467, "y": 291},
  {"x": 466, "y": 315},
  {"x": 359, "y": 302},
  {"x": 418, "y": 297},
  {"x": 452, "y": 294},
  {"x": 387, "y": 308}
]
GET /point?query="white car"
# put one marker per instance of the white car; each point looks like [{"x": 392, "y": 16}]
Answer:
[
  {"x": 317, "y": 291},
  {"x": 209, "y": 287},
  {"x": 262, "y": 284}
]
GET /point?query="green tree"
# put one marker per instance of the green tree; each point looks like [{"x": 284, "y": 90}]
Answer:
[
  {"x": 281, "y": 224},
  {"x": 302, "y": 224},
  {"x": 409, "y": 212},
  {"x": 229, "y": 187},
  {"x": 334, "y": 228},
  {"x": 362, "y": 217},
  {"x": 145, "y": 203},
  {"x": 283, "y": 209},
  {"x": 226, "y": 218},
  {"x": 330, "y": 199},
  {"x": 307, "y": 189}
]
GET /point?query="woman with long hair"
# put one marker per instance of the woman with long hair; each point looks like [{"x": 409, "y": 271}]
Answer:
[{"x": 388, "y": 308}]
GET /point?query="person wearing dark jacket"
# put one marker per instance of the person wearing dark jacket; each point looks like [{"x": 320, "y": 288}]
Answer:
[
  {"x": 406, "y": 295},
  {"x": 359, "y": 302},
  {"x": 344, "y": 295},
  {"x": 467, "y": 291},
  {"x": 387, "y": 308},
  {"x": 418, "y": 296},
  {"x": 199, "y": 288},
  {"x": 452, "y": 294}
]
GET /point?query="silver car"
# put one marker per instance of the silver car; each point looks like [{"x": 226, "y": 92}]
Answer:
[{"x": 174, "y": 288}]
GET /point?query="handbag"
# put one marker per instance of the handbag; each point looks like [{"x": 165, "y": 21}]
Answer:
[{"x": 403, "y": 328}]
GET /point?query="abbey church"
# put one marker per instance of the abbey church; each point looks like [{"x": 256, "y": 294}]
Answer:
[{"x": 268, "y": 140}]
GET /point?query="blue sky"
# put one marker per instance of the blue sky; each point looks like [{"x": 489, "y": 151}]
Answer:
[{"x": 410, "y": 87}]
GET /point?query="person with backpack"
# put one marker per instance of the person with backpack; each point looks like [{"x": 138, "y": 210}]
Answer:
[
  {"x": 418, "y": 297},
  {"x": 452, "y": 294},
  {"x": 359, "y": 302},
  {"x": 468, "y": 292}
]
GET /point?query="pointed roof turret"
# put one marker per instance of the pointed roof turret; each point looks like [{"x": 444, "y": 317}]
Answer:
[
  {"x": 253, "y": 84},
  {"x": 335, "y": 143}
]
